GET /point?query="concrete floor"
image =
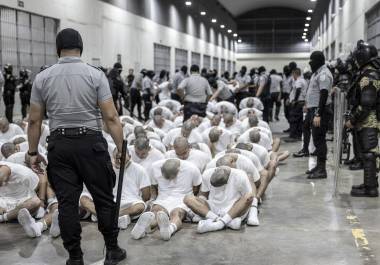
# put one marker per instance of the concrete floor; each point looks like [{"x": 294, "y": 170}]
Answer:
[{"x": 301, "y": 224}]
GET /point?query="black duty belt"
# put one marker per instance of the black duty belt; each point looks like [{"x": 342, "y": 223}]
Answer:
[{"x": 79, "y": 131}]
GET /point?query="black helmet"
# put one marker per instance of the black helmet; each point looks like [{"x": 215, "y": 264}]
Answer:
[
  {"x": 8, "y": 68},
  {"x": 118, "y": 66},
  {"x": 363, "y": 53},
  {"x": 69, "y": 39},
  {"x": 23, "y": 72},
  {"x": 341, "y": 66}
]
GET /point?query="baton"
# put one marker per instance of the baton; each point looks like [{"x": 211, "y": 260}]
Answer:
[{"x": 121, "y": 179}]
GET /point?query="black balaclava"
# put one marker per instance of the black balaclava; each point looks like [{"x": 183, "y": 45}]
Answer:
[
  {"x": 69, "y": 39},
  {"x": 317, "y": 59},
  {"x": 243, "y": 70}
]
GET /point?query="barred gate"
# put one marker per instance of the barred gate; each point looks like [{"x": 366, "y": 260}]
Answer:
[{"x": 27, "y": 40}]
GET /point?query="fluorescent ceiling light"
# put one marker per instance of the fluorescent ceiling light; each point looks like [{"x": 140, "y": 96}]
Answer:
[
  {"x": 213, "y": 20},
  {"x": 303, "y": 37},
  {"x": 239, "y": 40},
  {"x": 229, "y": 31},
  {"x": 203, "y": 13},
  {"x": 222, "y": 26},
  {"x": 304, "y": 33},
  {"x": 306, "y": 40},
  {"x": 307, "y": 24},
  {"x": 308, "y": 18},
  {"x": 235, "y": 35},
  {"x": 310, "y": 10},
  {"x": 188, "y": 3},
  {"x": 306, "y": 30}
]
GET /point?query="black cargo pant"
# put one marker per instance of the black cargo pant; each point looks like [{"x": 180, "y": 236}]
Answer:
[
  {"x": 194, "y": 108},
  {"x": 74, "y": 160},
  {"x": 275, "y": 101},
  {"x": 266, "y": 100},
  {"x": 296, "y": 119},
  {"x": 9, "y": 101},
  {"x": 136, "y": 101},
  {"x": 148, "y": 104},
  {"x": 285, "y": 97},
  {"x": 240, "y": 96},
  {"x": 318, "y": 133}
]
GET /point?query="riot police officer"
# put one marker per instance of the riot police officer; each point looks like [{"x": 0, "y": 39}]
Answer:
[
  {"x": 77, "y": 97},
  {"x": 25, "y": 88},
  {"x": 9, "y": 91},
  {"x": 117, "y": 86},
  {"x": 366, "y": 115}
]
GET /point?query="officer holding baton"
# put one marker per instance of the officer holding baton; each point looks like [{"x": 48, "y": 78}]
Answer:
[{"x": 77, "y": 97}]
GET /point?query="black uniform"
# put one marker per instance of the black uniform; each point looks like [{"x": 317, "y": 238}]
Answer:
[
  {"x": 117, "y": 87},
  {"x": 9, "y": 91},
  {"x": 25, "y": 88}
]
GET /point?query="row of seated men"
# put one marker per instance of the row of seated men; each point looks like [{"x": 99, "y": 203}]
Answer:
[{"x": 213, "y": 171}]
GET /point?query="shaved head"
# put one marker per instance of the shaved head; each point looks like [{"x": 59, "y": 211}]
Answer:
[
  {"x": 19, "y": 140},
  {"x": 233, "y": 151},
  {"x": 220, "y": 176},
  {"x": 181, "y": 148},
  {"x": 142, "y": 147},
  {"x": 227, "y": 160},
  {"x": 215, "y": 121},
  {"x": 187, "y": 127},
  {"x": 214, "y": 134},
  {"x": 254, "y": 136},
  {"x": 139, "y": 131},
  {"x": 228, "y": 118},
  {"x": 8, "y": 149},
  {"x": 158, "y": 111},
  {"x": 170, "y": 168},
  {"x": 250, "y": 103},
  {"x": 4, "y": 125},
  {"x": 245, "y": 146},
  {"x": 253, "y": 121}
]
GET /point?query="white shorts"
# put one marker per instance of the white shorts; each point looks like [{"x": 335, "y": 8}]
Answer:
[
  {"x": 9, "y": 203},
  {"x": 169, "y": 204},
  {"x": 221, "y": 211}
]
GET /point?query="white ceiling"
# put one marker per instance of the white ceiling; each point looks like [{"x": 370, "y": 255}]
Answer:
[{"x": 239, "y": 7}]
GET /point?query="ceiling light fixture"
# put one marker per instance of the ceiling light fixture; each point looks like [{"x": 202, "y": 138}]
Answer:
[
  {"x": 304, "y": 34},
  {"x": 188, "y": 3},
  {"x": 313, "y": 0},
  {"x": 306, "y": 30},
  {"x": 229, "y": 31},
  {"x": 213, "y": 20},
  {"x": 306, "y": 40},
  {"x": 307, "y": 24},
  {"x": 303, "y": 37},
  {"x": 235, "y": 35},
  {"x": 222, "y": 26},
  {"x": 239, "y": 40},
  {"x": 308, "y": 18},
  {"x": 203, "y": 13},
  {"x": 310, "y": 10}
]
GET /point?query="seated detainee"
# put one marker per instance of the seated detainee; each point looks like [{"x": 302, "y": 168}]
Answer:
[
  {"x": 187, "y": 130},
  {"x": 231, "y": 124},
  {"x": 139, "y": 131},
  {"x": 157, "y": 131},
  {"x": 144, "y": 154},
  {"x": 173, "y": 105},
  {"x": 255, "y": 135},
  {"x": 18, "y": 199},
  {"x": 8, "y": 130},
  {"x": 209, "y": 122},
  {"x": 182, "y": 150},
  {"x": 244, "y": 113},
  {"x": 251, "y": 102},
  {"x": 245, "y": 120},
  {"x": 172, "y": 180},
  {"x": 165, "y": 112},
  {"x": 203, "y": 148},
  {"x": 135, "y": 192},
  {"x": 217, "y": 139},
  {"x": 225, "y": 199},
  {"x": 159, "y": 121},
  {"x": 224, "y": 107}
]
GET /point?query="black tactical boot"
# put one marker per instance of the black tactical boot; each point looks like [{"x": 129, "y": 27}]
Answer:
[
  {"x": 75, "y": 262},
  {"x": 361, "y": 186},
  {"x": 319, "y": 172},
  {"x": 365, "y": 192},
  {"x": 311, "y": 171},
  {"x": 301, "y": 153},
  {"x": 114, "y": 256},
  {"x": 358, "y": 165},
  {"x": 369, "y": 188}
]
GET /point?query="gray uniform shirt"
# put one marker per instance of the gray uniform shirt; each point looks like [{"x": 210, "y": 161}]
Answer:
[
  {"x": 71, "y": 91},
  {"x": 275, "y": 83},
  {"x": 147, "y": 86},
  {"x": 196, "y": 88},
  {"x": 286, "y": 86},
  {"x": 177, "y": 79},
  {"x": 299, "y": 83},
  {"x": 225, "y": 93},
  {"x": 321, "y": 79},
  {"x": 243, "y": 80},
  {"x": 137, "y": 82}
]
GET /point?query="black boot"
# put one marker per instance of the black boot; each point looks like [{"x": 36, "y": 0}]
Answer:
[
  {"x": 319, "y": 172},
  {"x": 301, "y": 153},
  {"x": 114, "y": 256},
  {"x": 358, "y": 165},
  {"x": 350, "y": 162},
  {"x": 361, "y": 186},
  {"x": 311, "y": 171},
  {"x": 75, "y": 262},
  {"x": 370, "y": 186}
]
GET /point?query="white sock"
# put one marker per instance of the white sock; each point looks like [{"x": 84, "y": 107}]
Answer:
[
  {"x": 226, "y": 219},
  {"x": 211, "y": 215},
  {"x": 254, "y": 202},
  {"x": 173, "y": 228},
  {"x": 3, "y": 217}
]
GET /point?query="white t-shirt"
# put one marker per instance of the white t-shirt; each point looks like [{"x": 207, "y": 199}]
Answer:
[
  {"x": 206, "y": 123},
  {"x": 262, "y": 153},
  {"x": 205, "y": 149},
  {"x": 108, "y": 137},
  {"x": 263, "y": 124},
  {"x": 24, "y": 147},
  {"x": 153, "y": 156},
  {"x": 235, "y": 129},
  {"x": 244, "y": 113},
  {"x": 150, "y": 135},
  {"x": 188, "y": 177},
  {"x": 21, "y": 184},
  {"x": 13, "y": 130},
  {"x": 158, "y": 145},
  {"x": 225, "y": 139},
  {"x": 135, "y": 179},
  {"x": 171, "y": 104},
  {"x": 167, "y": 126},
  {"x": 196, "y": 157},
  {"x": 164, "y": 90},
  {"x": 265, "y": 141},
  {"x": 257, "y": 103},
  {"x": 194, "y": 137},
  {"x": 130, "y": 120},
  {"x": 242, "y": 163},
  {"x": 128, "y": 129},
  {"x": 275, "y": 84},
  {"x": 224, "y": 197}
]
